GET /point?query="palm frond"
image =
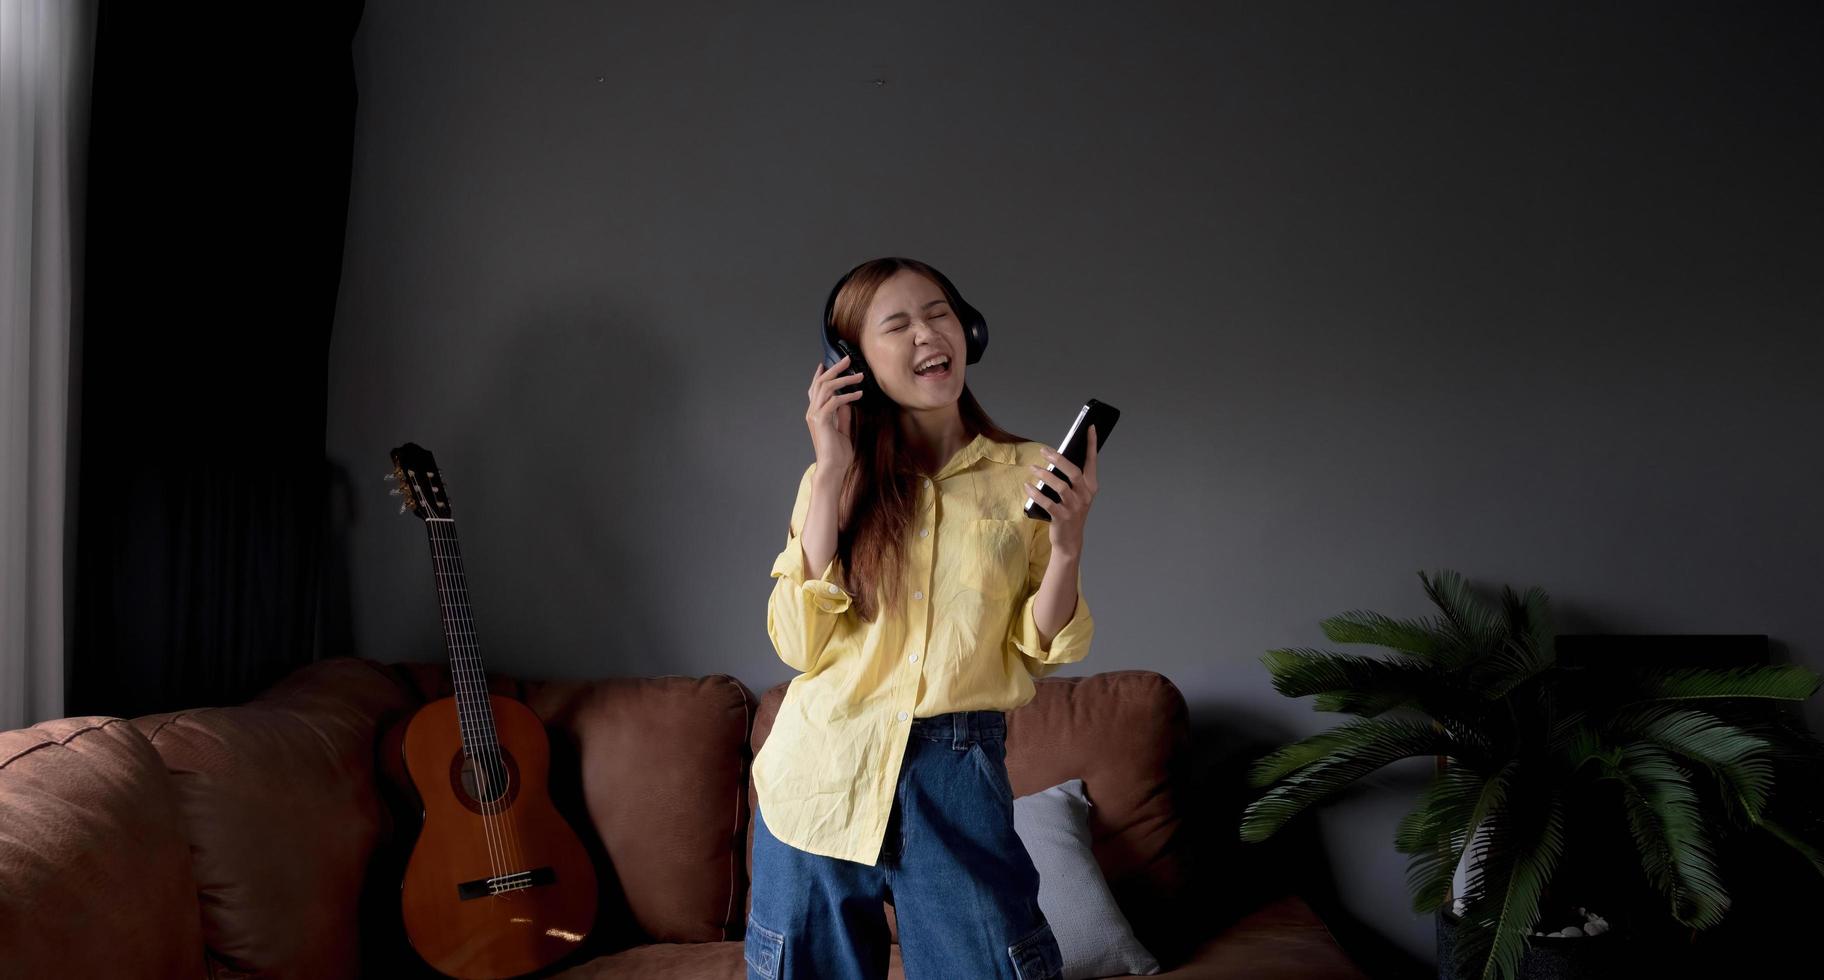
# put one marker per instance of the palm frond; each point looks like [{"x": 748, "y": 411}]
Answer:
[
  {"x": 1462, "y": 742},
  {"x": 1473, "y": 623},
  {"x": 1366, "y": 686},
  {"x": 1524, "y": 648},
  {"x": 1567, "y": 729},
  {"x": 1355, "y": 750},
  {"x": 1575, "y": 742},
  {"x": 1779, "y": 682},
  {"x": 1417, "y": 637},
  {"x": 1737, "y": 759},
  {"x": 1441, "y": 827},
  {"x": 1517, "y": 857},
  {"x": 1297, "y": 755},
  {"x": 1536, "y": 609},
  {"x": 1669, "y": 832},
  {"x": 1809, "y": 851}
]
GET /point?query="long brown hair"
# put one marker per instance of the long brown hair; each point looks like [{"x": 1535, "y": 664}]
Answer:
[{"x": 872, "y": 548}]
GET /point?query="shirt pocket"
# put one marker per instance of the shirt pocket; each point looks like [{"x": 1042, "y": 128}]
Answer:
[{"x": 994, "y": 557}]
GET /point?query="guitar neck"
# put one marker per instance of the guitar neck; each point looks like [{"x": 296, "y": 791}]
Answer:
[{"x": 474, "y": 712}]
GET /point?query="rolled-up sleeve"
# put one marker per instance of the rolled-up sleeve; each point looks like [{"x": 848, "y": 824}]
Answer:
[
  {"x": 802, "y": 614},
  {"x": 1071, "y": 643}
]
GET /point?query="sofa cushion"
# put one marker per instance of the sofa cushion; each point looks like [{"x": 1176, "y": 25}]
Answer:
[
  {"x": 655, "y": 767},
  {"x": 94, "y": 860},
  {"x": 1282, "y": 940},
  {"x": 1125, "y": 734},
  {"x": 278, "y": 800},
  {"x": 1094, "y": 938}
]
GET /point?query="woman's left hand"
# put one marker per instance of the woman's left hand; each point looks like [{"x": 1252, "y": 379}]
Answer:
[{"x": 1071, "y": 510}]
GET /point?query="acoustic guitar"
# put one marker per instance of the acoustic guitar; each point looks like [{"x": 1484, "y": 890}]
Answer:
[{"x": 498, "y": 884}]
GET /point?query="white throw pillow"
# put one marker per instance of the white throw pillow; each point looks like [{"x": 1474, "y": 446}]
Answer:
[{"x": 1093, "y": 936}]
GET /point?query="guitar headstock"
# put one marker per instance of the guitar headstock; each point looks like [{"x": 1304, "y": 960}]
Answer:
[{"x": 420, "y": 482}]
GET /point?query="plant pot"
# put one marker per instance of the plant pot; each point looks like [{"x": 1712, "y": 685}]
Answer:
[{"x": 1548, "y": 958}]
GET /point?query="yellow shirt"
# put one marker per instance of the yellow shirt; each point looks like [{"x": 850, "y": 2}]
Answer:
[{"x": 965, "y": 641}]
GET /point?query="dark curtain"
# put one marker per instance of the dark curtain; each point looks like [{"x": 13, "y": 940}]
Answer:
[{"x": 218, "y": 187}]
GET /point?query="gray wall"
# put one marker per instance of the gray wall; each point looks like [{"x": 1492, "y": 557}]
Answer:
[{"x": 1527, "y": 293}]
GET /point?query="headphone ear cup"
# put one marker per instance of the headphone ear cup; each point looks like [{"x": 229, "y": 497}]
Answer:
[
  {"x": 868, "y": 383},
  {"x": 976, "y": 337},
  {"x": 975, "y": 326}
]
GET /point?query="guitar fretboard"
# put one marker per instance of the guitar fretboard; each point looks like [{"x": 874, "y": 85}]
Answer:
[{"x": 475, "y": 714}]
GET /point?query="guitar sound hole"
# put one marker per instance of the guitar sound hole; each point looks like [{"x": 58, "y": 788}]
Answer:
[
  {"x": 485, "y": 779},
  {"x": 486, "y": 783}
]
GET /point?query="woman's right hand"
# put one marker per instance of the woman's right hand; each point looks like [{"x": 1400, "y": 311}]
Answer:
[{"x": 829, "y": 416}]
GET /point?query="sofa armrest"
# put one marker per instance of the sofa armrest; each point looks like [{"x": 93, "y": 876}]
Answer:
[{"x": 94, "y": 868}]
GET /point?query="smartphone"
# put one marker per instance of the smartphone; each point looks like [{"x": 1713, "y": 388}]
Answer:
[{"x": 1075, "y": 445}]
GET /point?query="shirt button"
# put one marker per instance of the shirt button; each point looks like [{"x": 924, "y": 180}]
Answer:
[
  {"x": 914, "y": 658},
  {"x": 923, "y": 531},
  {"x": 902, "y": 716},
  {"x": 927, "y": 481},
  {"x": 918, "y": 595},
  {"x": 834, "y": 590}
]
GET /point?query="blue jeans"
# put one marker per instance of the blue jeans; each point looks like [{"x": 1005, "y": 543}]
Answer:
[{"x": 964, "y": 890}]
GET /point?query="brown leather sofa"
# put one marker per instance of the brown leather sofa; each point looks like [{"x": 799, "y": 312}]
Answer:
[{"x": 269, "y": 839}]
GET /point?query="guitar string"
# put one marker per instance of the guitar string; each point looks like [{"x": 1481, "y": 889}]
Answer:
[
  {"x": 482, "y": 765},
  {"x": 510, "y": 831},
  {"x": 478, "y": 766},
  {"x": 493, "y": 752}
]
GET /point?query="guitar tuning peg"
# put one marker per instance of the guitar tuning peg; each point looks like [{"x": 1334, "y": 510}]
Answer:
[
  {"x": 394, "y": 492},
  {"x": 404, "y": 507},
  {"x": 390, "y": 476}
]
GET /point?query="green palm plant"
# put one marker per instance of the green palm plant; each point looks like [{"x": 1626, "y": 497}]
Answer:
[{"x": 1686, "y": 752}]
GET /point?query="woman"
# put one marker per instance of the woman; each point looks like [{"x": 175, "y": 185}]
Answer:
[{"x": 883, "y": 778}]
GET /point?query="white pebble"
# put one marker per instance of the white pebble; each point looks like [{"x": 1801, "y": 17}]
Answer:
[
  {"x": 1572, "y": 932},
  {"x": 1597, "y": 928},
  {"x": 1554, "y": 935}
]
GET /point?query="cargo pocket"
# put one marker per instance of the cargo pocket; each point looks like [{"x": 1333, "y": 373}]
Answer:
[
  {"x": 1036, "y": 957},
  {"x": 763, "y": 949}
]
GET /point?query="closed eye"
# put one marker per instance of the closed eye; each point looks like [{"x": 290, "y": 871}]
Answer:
[{"x": 902, "y": 326}]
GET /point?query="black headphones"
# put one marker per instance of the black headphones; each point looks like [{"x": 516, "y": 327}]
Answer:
[{"x": 975, "y": 333}]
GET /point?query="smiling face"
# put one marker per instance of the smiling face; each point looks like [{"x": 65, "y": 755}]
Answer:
[{"x": 908, "y": 323}]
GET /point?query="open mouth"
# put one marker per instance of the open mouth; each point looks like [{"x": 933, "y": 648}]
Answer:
[{"x": 936, "y": 373}]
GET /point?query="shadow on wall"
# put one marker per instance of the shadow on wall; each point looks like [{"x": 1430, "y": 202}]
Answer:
[{"x": 335, "y": 604}]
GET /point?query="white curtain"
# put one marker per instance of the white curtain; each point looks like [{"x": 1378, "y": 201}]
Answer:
[{"x": 46, "y": 59}]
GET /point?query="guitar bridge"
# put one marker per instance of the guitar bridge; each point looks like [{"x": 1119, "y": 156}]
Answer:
[{"x": 502, "y": 884}]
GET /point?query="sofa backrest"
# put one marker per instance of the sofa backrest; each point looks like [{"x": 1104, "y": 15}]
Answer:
[
  {"x": 655, "y": 767},
  {"x": 1126, "y": 734},
  {"x": 278, "y": 800},
  {"x": 93, "y": 859}
]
